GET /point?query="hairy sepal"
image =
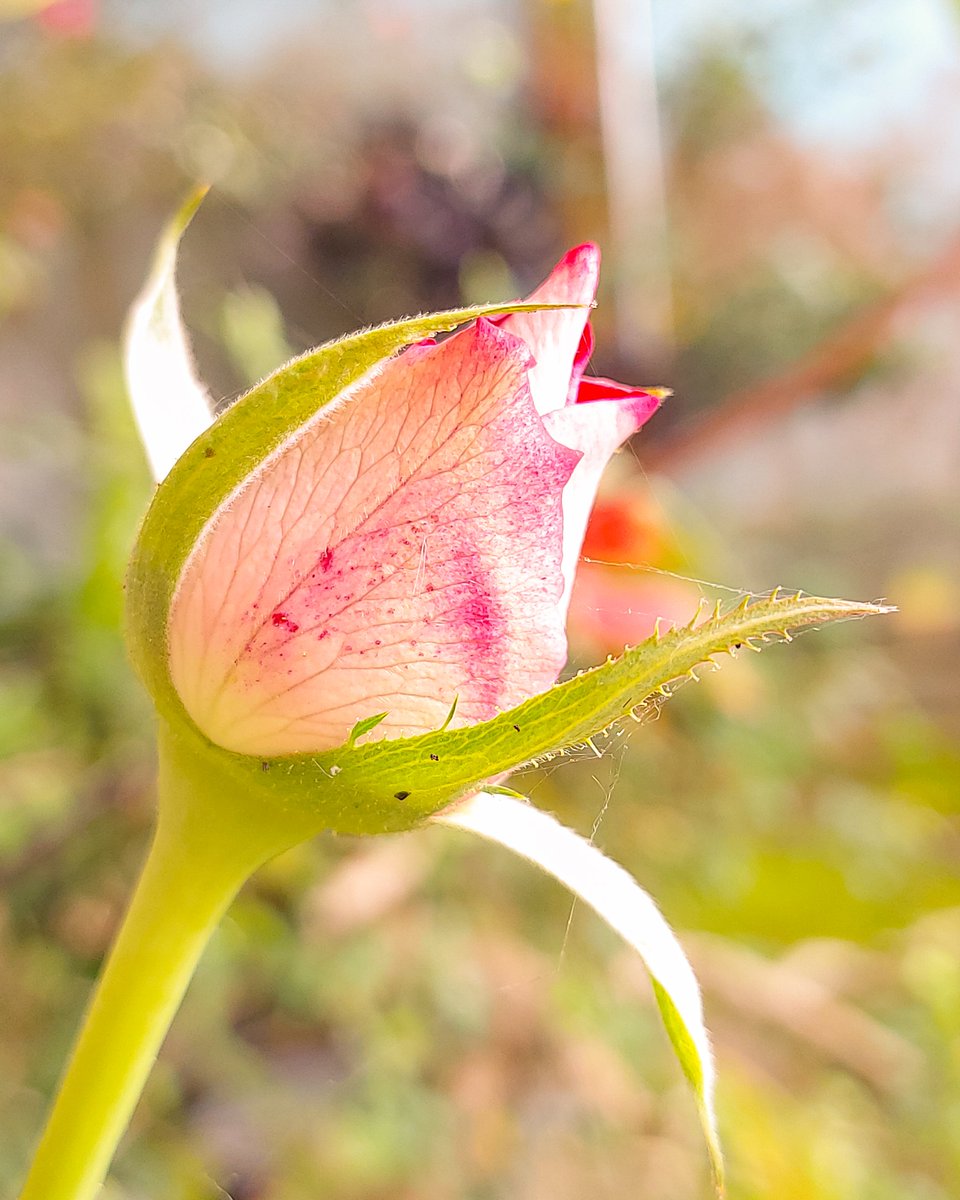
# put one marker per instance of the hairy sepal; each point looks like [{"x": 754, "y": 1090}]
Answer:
[{"x": 395, "y": 785}]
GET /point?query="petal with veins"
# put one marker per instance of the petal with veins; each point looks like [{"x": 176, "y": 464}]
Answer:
[{"x": 401, "y": 549}]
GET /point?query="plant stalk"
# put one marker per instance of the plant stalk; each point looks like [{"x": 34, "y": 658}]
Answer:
[{"x": 206, "y": 845}]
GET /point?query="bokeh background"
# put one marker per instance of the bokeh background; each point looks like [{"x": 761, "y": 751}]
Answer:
[{"x": 776, "y": 187}]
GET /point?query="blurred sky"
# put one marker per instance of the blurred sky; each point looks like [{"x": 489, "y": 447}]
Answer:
[
  {"x": 877, "y": 66},
  {"x": 845, "y": 77},
  {"x": 236, "y": 36},
  {"x": 865, "y": 63}
]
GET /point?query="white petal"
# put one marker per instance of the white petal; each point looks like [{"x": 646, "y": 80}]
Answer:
[
  {"x": 596, "y": 430},
  {"x": 626, "y": 907},
  {"x": 171, "y": 406}
]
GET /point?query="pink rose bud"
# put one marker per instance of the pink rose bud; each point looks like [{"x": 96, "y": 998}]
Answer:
[{"x": 412, "y": 545}]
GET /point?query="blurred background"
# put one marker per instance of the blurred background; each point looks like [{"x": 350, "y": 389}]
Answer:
[{"x": 776, "y": 186}]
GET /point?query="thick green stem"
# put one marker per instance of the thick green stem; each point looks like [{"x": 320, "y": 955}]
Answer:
[{"x": 205, "y": 846}]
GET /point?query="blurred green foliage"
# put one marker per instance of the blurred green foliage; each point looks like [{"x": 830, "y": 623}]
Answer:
[{"x": 423, "y": 1016}]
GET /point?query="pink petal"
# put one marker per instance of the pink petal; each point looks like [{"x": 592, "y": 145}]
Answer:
[
  {"x": 596, "y": 429},
  {"x": 580, "y": 361},
  {"x": 402, "y": 549},
  {"x": 555, "y": 337}
]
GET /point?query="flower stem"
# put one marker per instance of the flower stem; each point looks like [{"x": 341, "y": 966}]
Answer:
[{"x": 205, "y": 847}]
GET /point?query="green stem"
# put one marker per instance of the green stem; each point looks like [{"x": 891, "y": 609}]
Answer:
[{"x": 205, "y": 847}]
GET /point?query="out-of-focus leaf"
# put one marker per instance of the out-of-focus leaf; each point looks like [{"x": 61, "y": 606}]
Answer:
[{"x": 252, "y": 331}]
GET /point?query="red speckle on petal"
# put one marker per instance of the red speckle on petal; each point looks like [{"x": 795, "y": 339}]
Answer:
[
  {"x": 281, "y": 620},
  {"x": 326, "y": 558}
]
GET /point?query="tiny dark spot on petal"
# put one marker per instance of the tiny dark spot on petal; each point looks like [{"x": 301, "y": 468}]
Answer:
[
  {"x": 264, "y": 765},
  {"x": 401, "y": 795},
  {"x": 517, "y": 728},
  {"x": 435, "y": 757},
  {"x": 209, "y": 452}
]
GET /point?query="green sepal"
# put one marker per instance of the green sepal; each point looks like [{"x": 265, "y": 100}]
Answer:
[
  {"x": 388, "y": 786},
  {"x": 692, "y": 1064}
]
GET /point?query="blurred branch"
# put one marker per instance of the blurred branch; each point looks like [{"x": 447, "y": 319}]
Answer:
[{"x": 833, "y": 362}]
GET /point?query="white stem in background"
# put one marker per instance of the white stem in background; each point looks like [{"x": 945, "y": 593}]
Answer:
[
  {"x": 633, "y": 164},
  {"x": 611, "y": 892},
  {"x": 171, "y": 406}
]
